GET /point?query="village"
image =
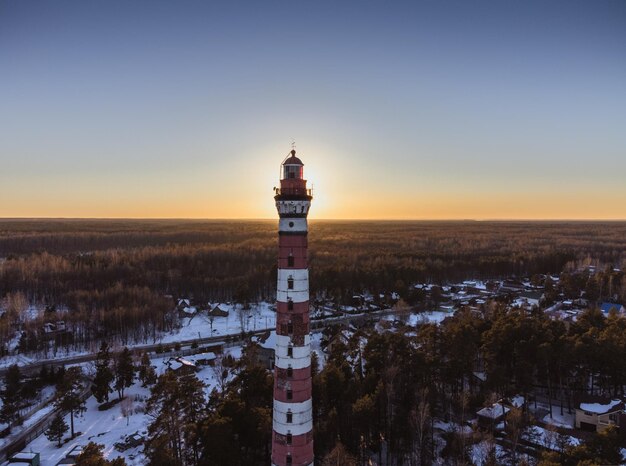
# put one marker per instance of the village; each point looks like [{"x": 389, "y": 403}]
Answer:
[{"x": 211, "y": 338}]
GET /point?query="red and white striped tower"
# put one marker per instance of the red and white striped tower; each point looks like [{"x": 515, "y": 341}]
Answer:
[{"x": 292, "y": 436}]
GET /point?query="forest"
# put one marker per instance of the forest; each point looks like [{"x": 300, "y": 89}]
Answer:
[
  {"x": 378, "y": 394},
  {"x": 121, "y": 277}
]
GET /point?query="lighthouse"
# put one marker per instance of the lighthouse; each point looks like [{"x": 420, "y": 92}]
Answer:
[{"x": 292, "y": 436}]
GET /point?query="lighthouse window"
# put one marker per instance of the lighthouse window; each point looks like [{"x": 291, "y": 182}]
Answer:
[
  {"x": 290, "y": 305},
  {"x": 290, "y": 261},
  {"x": 290, "y": 351},
  {"x": 289, "y": 459},
  {"x": 289, "y": 417},
  {"x": 290, "y": 328},
  {"x": 289, "y": 394},
  {"x": 289, "y": 440},
  {"x": 290, "y": 371},
  {"x": 293, "y": 171},
  {"x": 290, "y": 283}
]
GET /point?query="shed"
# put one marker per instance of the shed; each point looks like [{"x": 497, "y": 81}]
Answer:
[{"x": 25, "y": 457}]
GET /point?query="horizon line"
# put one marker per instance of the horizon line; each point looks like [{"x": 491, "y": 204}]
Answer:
[{"x": 322, "y": 219}]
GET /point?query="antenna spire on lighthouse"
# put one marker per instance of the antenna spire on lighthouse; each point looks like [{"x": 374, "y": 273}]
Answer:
[{"x": 292, "y": 436}]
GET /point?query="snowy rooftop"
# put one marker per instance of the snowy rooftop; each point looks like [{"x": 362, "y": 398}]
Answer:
[
  {"x": 599, "y": 408},
  {"x": 269, "y": 342},
  {"x": 202, "y": 356},
  {"x": 494, "y": 411},
  {"x": 25, "y": 456}
]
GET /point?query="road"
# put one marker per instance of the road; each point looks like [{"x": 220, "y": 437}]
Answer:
[{"x": 35, "y": 367}]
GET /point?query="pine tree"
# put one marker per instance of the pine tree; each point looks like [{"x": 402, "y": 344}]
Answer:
[
  {"x": 124, "y": 371},
  {"x": 57, "y": 429},
  {"x": 339, "y": 455},
  {"x": 92, "y": 455},
  {"x": 69, "y": 394},
  {"x": 11, "y": 395},
  {"x": 176, "y": 405},
  {"x": 104, "y": 375},
  {"x": 147, "y": 375}
]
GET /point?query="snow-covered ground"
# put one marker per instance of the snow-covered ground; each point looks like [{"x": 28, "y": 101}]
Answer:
[
  {"x": 104, "y": 427},
  {"x": 565, "y": 420},
  {"x": 479, "y": 452},
  {"x": 431, "y": 317},
  {"x": 415, "y": 319},
  {"x": 18, "y": 359},
  {"x": 109, "y": 427},
  {"x": 549, "y": 439},
  {"x": 260, "y": 316}
]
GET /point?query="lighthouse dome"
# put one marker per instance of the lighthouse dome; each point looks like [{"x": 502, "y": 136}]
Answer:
[{"x": 292, "y": 159}]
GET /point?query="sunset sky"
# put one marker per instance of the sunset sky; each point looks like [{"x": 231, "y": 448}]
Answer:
[{"x": 399, "y": 110}]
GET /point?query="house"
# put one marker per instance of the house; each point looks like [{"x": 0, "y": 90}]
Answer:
[
  {"x": 58, "y": 326},
  {"x": 490, "y": 417},
  {"x": 24, "y": 458},
  {"x": 49, "y": 327},
  {"x": 606, "y": 308},
  {"x": 596, "y": 413},
  {"x": 509, "y": 286},
  {"x": 532, "y": 297},
  {"x": 183, "y": 303},
  {"x": 131, "y": 441},
  {"x": 203, "y": 359},
  {"x": 57, "y": 331},
  {"x": 181, "y": 366},
  {"x": 340, "y": 338},
  {"x": 187, "y": 311},
  {"x": 217, "y": 311},
  {"x": 266, "y": 345}
]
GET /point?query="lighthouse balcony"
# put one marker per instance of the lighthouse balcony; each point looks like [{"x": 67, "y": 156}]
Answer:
[{"x": 294, "y": 192}]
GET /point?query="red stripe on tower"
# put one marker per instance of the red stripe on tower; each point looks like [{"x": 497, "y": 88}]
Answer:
[{"x": 292, "y": 436}]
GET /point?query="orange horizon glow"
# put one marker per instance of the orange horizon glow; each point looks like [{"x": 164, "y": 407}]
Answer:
[{"x": 368, "y": 194}]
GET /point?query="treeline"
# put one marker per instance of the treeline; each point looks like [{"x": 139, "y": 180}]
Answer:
[
  {"x": 121, "y": 276},
  {"x": 223, "y": 260}
]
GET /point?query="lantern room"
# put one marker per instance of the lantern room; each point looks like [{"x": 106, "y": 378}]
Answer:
[
  {"x": 292, "y": 167},
  {"x": 292, "y": 182}
]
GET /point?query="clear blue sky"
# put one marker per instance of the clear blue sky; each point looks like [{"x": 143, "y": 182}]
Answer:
[{"x": 431, "y": 109}]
